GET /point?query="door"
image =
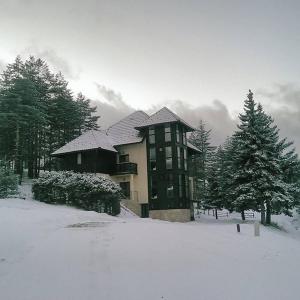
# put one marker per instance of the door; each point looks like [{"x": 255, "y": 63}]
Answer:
[{"x": 145, "y": 210}]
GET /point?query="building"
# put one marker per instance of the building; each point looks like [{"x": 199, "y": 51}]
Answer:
[{"x": 148, "y": 157}]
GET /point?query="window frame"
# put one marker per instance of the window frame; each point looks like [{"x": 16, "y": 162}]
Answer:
[
  {"x": 151, "y": 133},
  {"x": 168, "y": 158},
  {"x": 126, "y": 160},
  {"x": 152, "y": 150},
  {"x": 79, "y": 158},
  {"x": 170, "y": 186},
  {"x": 153, "y": 186},
  {"x": 168, "y": 132}
]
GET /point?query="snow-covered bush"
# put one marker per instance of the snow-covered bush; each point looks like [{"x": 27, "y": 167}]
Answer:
[
  {"x": 8, "y": 181},
  {"x": 84, "y": 190}
]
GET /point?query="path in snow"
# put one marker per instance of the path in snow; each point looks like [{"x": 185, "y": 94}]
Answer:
[{"x": 58, "y": 253}]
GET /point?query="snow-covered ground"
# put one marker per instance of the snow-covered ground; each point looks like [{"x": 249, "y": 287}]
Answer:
[{"x": 50, "y": 252}]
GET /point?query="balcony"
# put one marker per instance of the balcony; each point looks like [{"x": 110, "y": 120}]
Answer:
[{"x": 125, "y": 168}]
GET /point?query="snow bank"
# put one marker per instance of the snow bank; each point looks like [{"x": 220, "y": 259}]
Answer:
[{"x": 42, "y": 256}]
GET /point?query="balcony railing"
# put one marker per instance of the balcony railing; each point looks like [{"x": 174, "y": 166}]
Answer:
[{"x": 125, "y": 168}]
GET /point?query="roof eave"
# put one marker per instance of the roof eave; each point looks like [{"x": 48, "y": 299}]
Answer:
[
  {"x": 83, "y": 150},
  {"x": 188, "y": 127}
]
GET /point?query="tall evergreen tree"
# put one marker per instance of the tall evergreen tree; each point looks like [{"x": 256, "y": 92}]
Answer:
[
  {"x": 259, "y": 179},
  {"x": 201, "y": 139},
  {"x": 38, "y": 114},
  {"x": 215, "y": 181},
  {"x": 87, "y": 119}
]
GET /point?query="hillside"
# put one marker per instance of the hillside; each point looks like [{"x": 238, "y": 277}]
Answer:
[{"x": 56, "y": 252}]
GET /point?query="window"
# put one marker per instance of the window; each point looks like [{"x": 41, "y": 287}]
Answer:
[
  {"x": 180, "y": 185},
  {"x": 125, "y": 186},
  {"x": 153, "y": 158},
  {"x": 167, "y": 132},
  {"x": 168, "y": 154},
  {"x": 170, "y": 186},
  {"x": 151, "y": 135},
  {"x": 184, "y": 137},
  {"x": 177, "y": 133},
  {"x": 179, "y": 164},
  {"x": 123, "y": 158},
  {"x": 185, "y": 159},
  {"x": 79, "y": 158},
  {"x": 153, "y": 188},
  {"x": 186, "y": 186}
]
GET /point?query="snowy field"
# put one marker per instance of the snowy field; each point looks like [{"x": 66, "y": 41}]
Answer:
[{"x": 52, "y": 252}]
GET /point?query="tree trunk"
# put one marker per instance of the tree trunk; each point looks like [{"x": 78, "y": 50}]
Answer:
[
  {"x": 268, "y": 215},
  {"x": 263, "y": 214},
  {"x": 17, "y": 153},
  {"x": 31, "y": 154},
  {"x": 243, "y": 215},
  {"x": 192, "y": 212},
  {"x": 30, "y": 167}
]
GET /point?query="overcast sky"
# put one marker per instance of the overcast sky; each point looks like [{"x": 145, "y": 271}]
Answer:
[{"x": 198, "y": 57}]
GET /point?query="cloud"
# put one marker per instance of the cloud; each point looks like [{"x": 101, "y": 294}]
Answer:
[
  {"x": 111, "y": 107},
  {"x": 215, "y": 116},
  {"x": 56, "y": 62},
  {"x": 282, "y": 102}
]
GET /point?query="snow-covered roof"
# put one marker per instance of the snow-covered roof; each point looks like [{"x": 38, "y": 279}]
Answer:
[
  {"x": 121, "y": 133},
  {"x": 164, "y": 115},
  {"x": 124, "y": 132},
  {"x": 92, "y": 139}
]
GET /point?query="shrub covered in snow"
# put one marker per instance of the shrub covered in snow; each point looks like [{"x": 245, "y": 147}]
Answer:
[
  {"x": 84, "y": 190},
  {"x": 8, "y": 180}
]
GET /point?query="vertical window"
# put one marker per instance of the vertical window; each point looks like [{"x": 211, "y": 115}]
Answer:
[
  {"x": 79, "y": 158},
  {"x": 180, "y": 186},
  {"x": 179, "y": 165},
  {"x": 153, "y": 188},
  {"x": 177, "y": 134},
  {"x": 170, "y": 186},
  {"x": 167, "y": 132},
  {"x": 152, "y": 158},
  {"x": 123, "y": 158},
  {"x": 185, "y": 159},
  {"x": 168, "y": 154},
  {"x": 151, "y": 135},
  {"x": 184, "y": 136},
  {"x": 125, "y": 186},
  {"x": 186, "y": 186}
]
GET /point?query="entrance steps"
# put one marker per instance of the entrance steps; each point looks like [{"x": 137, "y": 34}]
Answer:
[{"x": 131, "y": 209}]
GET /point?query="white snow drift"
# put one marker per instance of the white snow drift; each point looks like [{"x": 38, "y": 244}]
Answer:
[{"x": 55, "y": 252}]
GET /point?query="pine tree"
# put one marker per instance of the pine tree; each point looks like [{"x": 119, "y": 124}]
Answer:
[
  {"x": 259, "y": 177},
  {"x": 228, "y": 172},
  {"x": 38, "y": 114},
  {"x": 201, "y": 139},
  {"x": 87, "y": 119},
  {"x": 215, "y": 182}
]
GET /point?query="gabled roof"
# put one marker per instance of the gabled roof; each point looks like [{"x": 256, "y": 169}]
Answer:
[
  {"x": 164, "y": 115},
  {"x": 121, "y": 133},
  {"x": 124, "y": 132},
  {"x": 92, "y": 139}
]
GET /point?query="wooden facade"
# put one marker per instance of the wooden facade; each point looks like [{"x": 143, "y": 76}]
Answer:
[{"x": 92, "y": 161}]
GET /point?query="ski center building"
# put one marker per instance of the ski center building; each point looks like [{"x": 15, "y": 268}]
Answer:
[{"x": 147, "y": 155}]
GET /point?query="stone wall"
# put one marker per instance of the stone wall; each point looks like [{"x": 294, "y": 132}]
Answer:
[{"x": 172, "y": 215}]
